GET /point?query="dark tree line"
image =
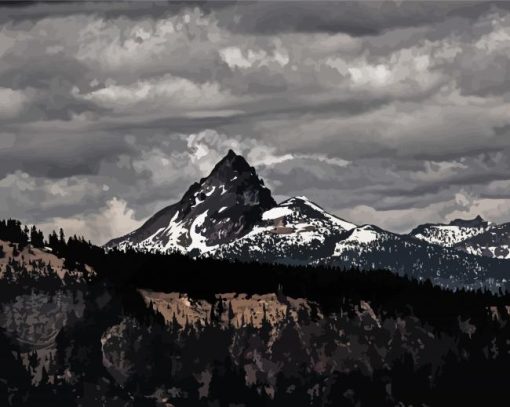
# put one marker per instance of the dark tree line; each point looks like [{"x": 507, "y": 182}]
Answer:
[{"x": 15, "y": 232}]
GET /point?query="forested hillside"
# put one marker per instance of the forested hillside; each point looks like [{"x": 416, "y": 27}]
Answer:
[{"x": 150, "y": 329}]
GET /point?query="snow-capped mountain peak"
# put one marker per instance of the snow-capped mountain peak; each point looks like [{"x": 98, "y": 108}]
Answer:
[{"x": 218, "y": 209}]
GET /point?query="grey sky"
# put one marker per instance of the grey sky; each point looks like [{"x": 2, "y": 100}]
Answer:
[{"x": 386, "y": 112}]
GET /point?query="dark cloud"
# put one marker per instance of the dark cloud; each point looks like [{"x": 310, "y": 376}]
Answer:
[
  {"x": 388, "y": 112},
  {"x": 32, "y": 10},
  {"x": 357, "y": 18}
]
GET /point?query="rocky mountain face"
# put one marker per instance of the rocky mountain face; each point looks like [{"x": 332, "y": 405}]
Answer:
[{"x": 219, "y": 209}]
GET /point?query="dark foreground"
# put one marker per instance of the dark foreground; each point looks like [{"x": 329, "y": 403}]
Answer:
[{"x": 169, "y": 330}]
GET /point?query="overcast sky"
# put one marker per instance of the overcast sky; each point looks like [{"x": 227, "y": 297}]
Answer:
[{"x": 390, "y": 112}]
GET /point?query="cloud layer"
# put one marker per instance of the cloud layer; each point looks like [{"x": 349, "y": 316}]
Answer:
[{"x": 386, "y": 112}]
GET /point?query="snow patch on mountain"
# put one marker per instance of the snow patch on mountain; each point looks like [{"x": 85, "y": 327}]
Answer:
[
  {"x": 498, "y": 252},
  {"x": 363, "y": 234},
  {"x": 494, "y": 242},
  {"x": 198, "y": 241},
  {"x": 276, "y": 213},
  {"x": 358, "y": 239}
]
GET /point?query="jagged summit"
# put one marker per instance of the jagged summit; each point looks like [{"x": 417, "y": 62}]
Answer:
[
  {"x": 219, "y": 208},
  {"x": 231, "y": 165},
  {"x": 475, "y": 222}
]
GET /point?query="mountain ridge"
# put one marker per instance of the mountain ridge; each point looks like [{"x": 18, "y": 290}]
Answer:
[
  {"x": 295, "y": 231},
  {"x": 230, "y": 214},
  {"x": 452, "y": 233}
]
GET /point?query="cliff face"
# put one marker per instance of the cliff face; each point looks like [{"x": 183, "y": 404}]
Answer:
[
  {"x": 231, "y": 309},
  {"x": 273, "y": 340}
]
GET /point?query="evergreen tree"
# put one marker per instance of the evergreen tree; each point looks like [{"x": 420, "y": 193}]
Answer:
[
  {"x": 36, "y": 237},
  {"x": 53, "y": 241}
]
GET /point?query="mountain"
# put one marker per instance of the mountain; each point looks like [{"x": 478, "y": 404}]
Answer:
[
  {"x": 219, "y": 209},
  {"x": 493, "y": 242},
  {"x": 371, "y": 248},
  {"x": 451, "y": 234},
  {"x": 296, "y": 231},
  {"x": 231, "y": 215}
]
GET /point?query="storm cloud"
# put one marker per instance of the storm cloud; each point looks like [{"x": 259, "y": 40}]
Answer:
[{"x": 386, "y": 112}]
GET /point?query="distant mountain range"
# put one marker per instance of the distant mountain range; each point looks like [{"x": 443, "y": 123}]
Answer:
[{"x": 231, "y": 214}]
